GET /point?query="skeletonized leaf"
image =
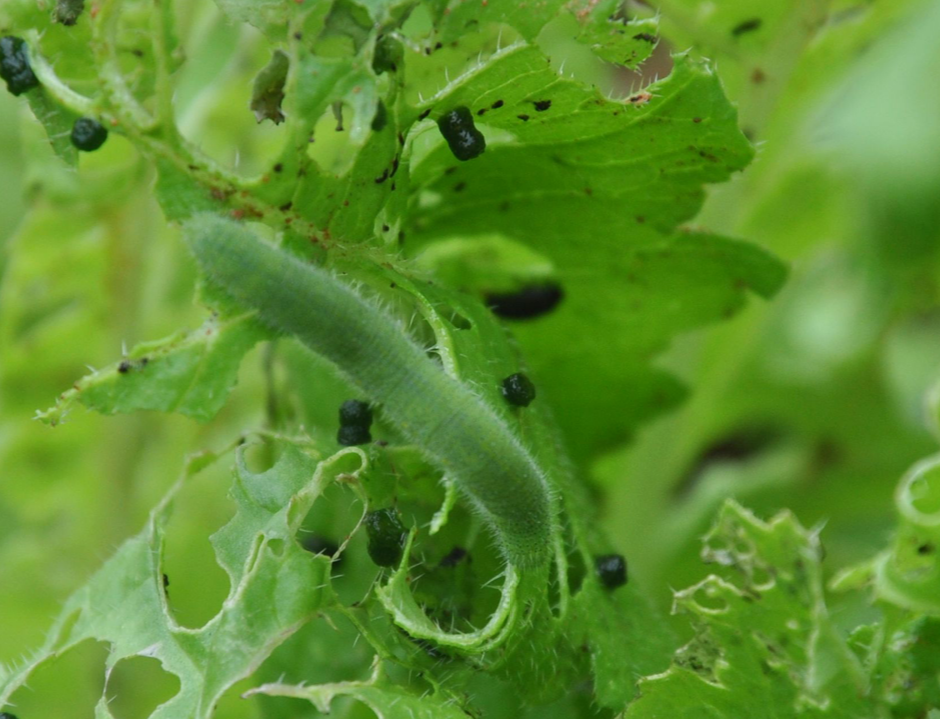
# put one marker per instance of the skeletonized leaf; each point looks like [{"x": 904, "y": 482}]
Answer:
[
  {"x": 763, "y": 644},
  {"x": 276, "y": 587}
]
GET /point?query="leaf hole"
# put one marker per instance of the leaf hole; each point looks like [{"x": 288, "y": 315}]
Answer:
[
  {"x": 925, "y": 493},
  {"x": 68, "y": 685},
  {"x": 700, "y": 656},
  {"x": 217, "y": 51},
  {"x": 318, "y": 544},
  {"x": 276, "y": 546},
  {"x": 259, "y": 457},
  {"x": 577, "y": 568},
  {"x": 453, "y": 317},
  {"x": 434, "y": 354},
  {"x": 327, "y": 649},
  {"x": 762, "y": 578},
  {"x": 710, "y": 598},
  {"x": 199, "y": 584},
  {"x": 137, "y": 685},
  {"x": 331, "y": 144},
  {"x": 743, "y": 548},
  {"x": 554, "y": 592},
  {"x": 328, "y": 523},
  {"x": 68, "y": 625}
]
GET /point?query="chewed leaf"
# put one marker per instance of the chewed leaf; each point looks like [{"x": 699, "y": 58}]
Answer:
[
  {"x": 388, "y": 701},
  {"x": 455, "y": 18},
  {"x": 400, "y": 603},
  {"x": 190, "y": 373},
  {"x": 625, "y": 636},
  {"x": 905, "y": 674},
  {"x": 763, "y": 641},
  {"x": 276, "y": 587},
  {"x": 908, "y": 574},
  {"x": 901, "y": 652},
  {"x": 273, "y": 503},
  {"x": 618, "y": 40},
  {"x": 623, "y": 174}
]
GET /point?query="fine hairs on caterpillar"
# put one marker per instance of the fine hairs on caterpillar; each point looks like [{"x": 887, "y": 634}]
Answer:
[{"x": 458, "y": 431}]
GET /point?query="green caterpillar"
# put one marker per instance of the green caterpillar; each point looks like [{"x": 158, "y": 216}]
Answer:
[{"x": 459, "y": 432}]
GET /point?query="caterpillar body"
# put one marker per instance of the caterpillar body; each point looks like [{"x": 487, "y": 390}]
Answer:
[{"x": 456, "y": 429}]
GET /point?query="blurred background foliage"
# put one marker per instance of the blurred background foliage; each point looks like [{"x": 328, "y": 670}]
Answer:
[{"x": 814, "y": 401}]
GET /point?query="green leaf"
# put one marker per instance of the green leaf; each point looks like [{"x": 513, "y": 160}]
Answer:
[
  {"x": 181, "y": 195},
  {"x": 616, "y": 39},
  {"x": 763, "y": 643},
  {"x": 57, "y": 121},
  {"x": 276, "y": 587},
  {"x": 191, "y": 373},
  {"x": 622, "y": 175},
  {"x": 626, "y": 637}
]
